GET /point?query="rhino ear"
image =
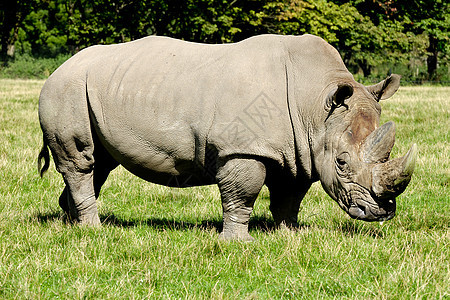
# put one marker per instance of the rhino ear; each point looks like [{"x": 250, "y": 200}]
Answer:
[
  {"x": 338, "y": 95},
  {"x": 385, "y": 88}
]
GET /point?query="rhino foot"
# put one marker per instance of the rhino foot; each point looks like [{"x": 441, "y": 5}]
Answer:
[
  {"x": 89, "y": 220},
  {"x": 287, "y": 225},
  {"x": 235, "y": 236},
  {"x": 87, "y": 216}
]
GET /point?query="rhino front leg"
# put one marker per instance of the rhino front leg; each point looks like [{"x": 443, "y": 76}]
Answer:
[
  {"x": 239, "y": 181},
  {"x": 285, "y": 202}
]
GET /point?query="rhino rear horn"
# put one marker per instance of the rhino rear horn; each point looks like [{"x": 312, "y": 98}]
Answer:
[
  {"x": 378, "y": 145},
  {"x": 390, "y": 179},
  {"x": 385, "y": 88}
]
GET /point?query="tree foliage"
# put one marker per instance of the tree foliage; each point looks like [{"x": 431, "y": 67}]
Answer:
[{"x": 366, "y": 32}]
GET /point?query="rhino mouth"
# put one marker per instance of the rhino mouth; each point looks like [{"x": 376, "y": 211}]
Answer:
[
  {"x": 362, "y": 205},
  {"x": 368, "y": 212}
]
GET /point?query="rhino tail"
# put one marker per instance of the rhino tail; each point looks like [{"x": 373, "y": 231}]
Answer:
[{"x": 43, "y": 155}]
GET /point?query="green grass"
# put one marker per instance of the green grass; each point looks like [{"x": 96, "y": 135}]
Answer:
[{"x": 158, "y": 242}]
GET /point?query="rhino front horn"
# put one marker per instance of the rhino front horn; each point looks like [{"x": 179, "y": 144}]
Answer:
[{"x": 390, "y": 179}]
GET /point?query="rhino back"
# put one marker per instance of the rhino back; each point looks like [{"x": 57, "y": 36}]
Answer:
[{"x": 160, "y": 104}]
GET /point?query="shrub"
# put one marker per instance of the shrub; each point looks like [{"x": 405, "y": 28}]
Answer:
[{"x": 27, "y": 66}]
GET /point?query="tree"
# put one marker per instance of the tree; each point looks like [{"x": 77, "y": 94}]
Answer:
[
  {"x": 210, "y": 21},
  {"x": 353, "y": 34},
  {"x": 12, "y": 13},
  {"x": 416, "y": 17},
  {"x": 366, "y": 32},
  {"x": 433, "y": 19}
]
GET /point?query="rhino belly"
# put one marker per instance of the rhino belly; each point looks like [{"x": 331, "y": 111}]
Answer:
[
  {"x": 169, "y": 160},
  {"x": 157, "y": 148}
]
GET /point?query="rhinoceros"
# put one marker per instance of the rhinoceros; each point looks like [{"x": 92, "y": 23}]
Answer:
[{"x": 280, "y": 111}]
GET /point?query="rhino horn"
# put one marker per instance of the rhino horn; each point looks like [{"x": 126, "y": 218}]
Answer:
[
  {"x": 390, "y": 179},
  {"x": 378, "y": 145}
]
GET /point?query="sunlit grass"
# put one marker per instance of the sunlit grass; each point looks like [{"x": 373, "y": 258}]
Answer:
[{"x": 159, "y": 242}]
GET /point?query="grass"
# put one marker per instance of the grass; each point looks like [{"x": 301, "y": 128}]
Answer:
[{"x": 158, "y": 242}]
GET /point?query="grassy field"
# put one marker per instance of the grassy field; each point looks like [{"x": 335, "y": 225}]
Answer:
[{"x": 158, "y": 242}]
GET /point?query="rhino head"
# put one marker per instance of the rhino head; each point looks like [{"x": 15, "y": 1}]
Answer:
[{"x": 354, "y": 166}]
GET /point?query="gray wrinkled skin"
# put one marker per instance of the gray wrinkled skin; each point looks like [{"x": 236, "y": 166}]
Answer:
[{"x": 276, "y": 110}]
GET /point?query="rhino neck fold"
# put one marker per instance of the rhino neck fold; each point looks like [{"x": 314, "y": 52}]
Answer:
[
  {"x": 303, "y": 163},
  {"x": 313, "y": 118}
]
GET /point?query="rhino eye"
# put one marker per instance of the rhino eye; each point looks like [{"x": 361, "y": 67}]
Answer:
[{"x": 341, "y": 161}]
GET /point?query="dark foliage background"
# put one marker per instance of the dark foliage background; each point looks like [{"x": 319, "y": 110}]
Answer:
[{"x": 375, "y": 37}]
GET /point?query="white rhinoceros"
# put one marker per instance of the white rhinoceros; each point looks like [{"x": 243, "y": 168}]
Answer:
[{"x": 276, "y": 110}]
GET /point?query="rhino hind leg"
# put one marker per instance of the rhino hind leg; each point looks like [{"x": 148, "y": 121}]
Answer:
[
  {"x": 83, "y": 186},
  {"x": 73, "y": 154},
  {"x": 64, "y": 200},
  {"x": 70, "y": 201},
  {"x": 81, "y": 198},
  {"x": 104, "y": 164},
  {"x": 239, "y": 181}
]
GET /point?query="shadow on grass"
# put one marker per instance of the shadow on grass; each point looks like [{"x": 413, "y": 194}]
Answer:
[
  {"x": 259, "y": 223},
  {"x": 48, "y": 216},
  {"x": 158, "y": 223}
]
